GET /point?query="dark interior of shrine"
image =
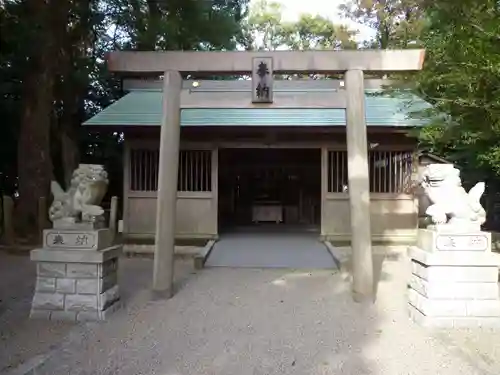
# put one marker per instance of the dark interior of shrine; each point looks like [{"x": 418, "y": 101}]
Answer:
[{"x": 269, "y": 188}]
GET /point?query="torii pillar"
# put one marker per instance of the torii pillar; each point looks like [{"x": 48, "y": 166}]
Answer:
[
  {"x": 359, "y": 187},
  {"x": 350, "y": 63},
  {"x": 163, "y": 269}
]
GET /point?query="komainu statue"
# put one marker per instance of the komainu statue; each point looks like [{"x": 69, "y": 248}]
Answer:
[
  {"x": 80, "y": 203},
  {"x": 452, "y": 208}
]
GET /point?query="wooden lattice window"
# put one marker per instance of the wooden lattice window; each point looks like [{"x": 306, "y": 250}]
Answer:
[
  {"x": 390, "y": 171},
  {"x": 143, "y": 170},
  {"x": 337, "y": 171},
  {"x": 195, "y": 170}
]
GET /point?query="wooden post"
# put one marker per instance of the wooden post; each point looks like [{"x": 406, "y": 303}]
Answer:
[
  {"x": 324, "y": 190},
  {"x": 214, "y": 172},
  {"x": 359, "y": 187},
  {"x": 42, "y": 217},
  {"x": 126, "y": 187},
  {"x": 113, "y": 213},
  {"x": 8, "y": 226},
  {"x": 163, "y": 268}
]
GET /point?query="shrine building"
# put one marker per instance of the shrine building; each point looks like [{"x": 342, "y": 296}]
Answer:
[{"x": 264, "y": 152}]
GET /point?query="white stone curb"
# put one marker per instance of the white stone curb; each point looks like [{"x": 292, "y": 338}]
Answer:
[
  {"x": 201, "y": 258},
  {"x": 150, "y": 249},
  {"x": 339, "y": 257}
]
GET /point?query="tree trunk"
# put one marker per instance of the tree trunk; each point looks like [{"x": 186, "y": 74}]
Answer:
[
  {"x": 76, "y": 45},
  {"x": 34, "y": 158},
  {"x": 34, "y": 163},
  {"x": 70, "y": 155}
]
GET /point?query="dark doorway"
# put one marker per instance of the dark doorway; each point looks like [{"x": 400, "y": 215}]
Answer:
[{"x": 269, "y": 188}]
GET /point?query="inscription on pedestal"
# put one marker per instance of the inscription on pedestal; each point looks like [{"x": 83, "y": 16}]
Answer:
[
  {"x": 461, "y": 242},
  {"x": 73, "y": 240}
]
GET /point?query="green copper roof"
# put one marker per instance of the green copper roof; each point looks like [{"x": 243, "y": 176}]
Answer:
[{"x": 143, "y": 108}]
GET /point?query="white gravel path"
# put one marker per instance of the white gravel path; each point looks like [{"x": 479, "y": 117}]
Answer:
[
  {"x": 248, "y": 321},
  {"x": 21, "y": 338}
]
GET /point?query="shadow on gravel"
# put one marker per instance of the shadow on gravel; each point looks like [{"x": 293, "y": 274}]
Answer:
[{"x": 231, "y": 321}]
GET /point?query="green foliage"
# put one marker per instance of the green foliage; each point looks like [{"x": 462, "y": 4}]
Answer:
[
  {"x": 179, "y": 24},
  {"x": 317, "y": 32},
  {"x": 75, "y": 76},
  {"x": 264, "y": 26},
  {"x": 461, "y": 75},
  {"x": 267, "y": 31},
  {"x": 461, "y": 78},
  {"x": 398, "y": 23}
]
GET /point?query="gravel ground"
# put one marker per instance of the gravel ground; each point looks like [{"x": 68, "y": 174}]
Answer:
[
  {"x": 21, "y": 338},
  {"x": 248, "y": 321}
]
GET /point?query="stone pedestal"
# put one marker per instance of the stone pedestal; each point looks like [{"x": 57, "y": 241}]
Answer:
[
  {"x": 77, "y": 275},
  {"x": 454, "y": 280}
]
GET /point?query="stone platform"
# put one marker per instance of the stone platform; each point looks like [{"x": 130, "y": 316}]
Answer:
[
  {"x": 77, "y": 276},
  {"x": 454, "y": 280}
]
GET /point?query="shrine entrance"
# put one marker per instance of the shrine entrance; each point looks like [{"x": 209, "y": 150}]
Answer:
[
  {"x": 269, "y": 189},
  {"x": 172, "y": 65}
]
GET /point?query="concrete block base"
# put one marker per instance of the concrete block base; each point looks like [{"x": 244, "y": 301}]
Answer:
[
  {"x": 452, "y": 322},
  {"x": 76, "y": 285},
  {"x": 453, "y": 288}
]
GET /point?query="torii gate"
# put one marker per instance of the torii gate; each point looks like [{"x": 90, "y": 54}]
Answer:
[{"x": 352, "y": 64}]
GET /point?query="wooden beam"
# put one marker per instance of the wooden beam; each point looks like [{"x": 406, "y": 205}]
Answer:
[
  {"x": 328, "y": 99},
  {"x": 213, "y": 86},
  {"x": 285, "y": 62}
]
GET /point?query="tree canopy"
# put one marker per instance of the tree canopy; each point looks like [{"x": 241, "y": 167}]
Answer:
[
  {"x": 460, "y": 76},
  {"x": 267, "y": 30},
  {"x": 53, "y": 76},
  {"x": 398, "y": 23},
  {"x": 462, "y": 80}
]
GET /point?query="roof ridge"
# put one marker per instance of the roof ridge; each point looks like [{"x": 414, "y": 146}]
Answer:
[{"x": 143, "y": 108}]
